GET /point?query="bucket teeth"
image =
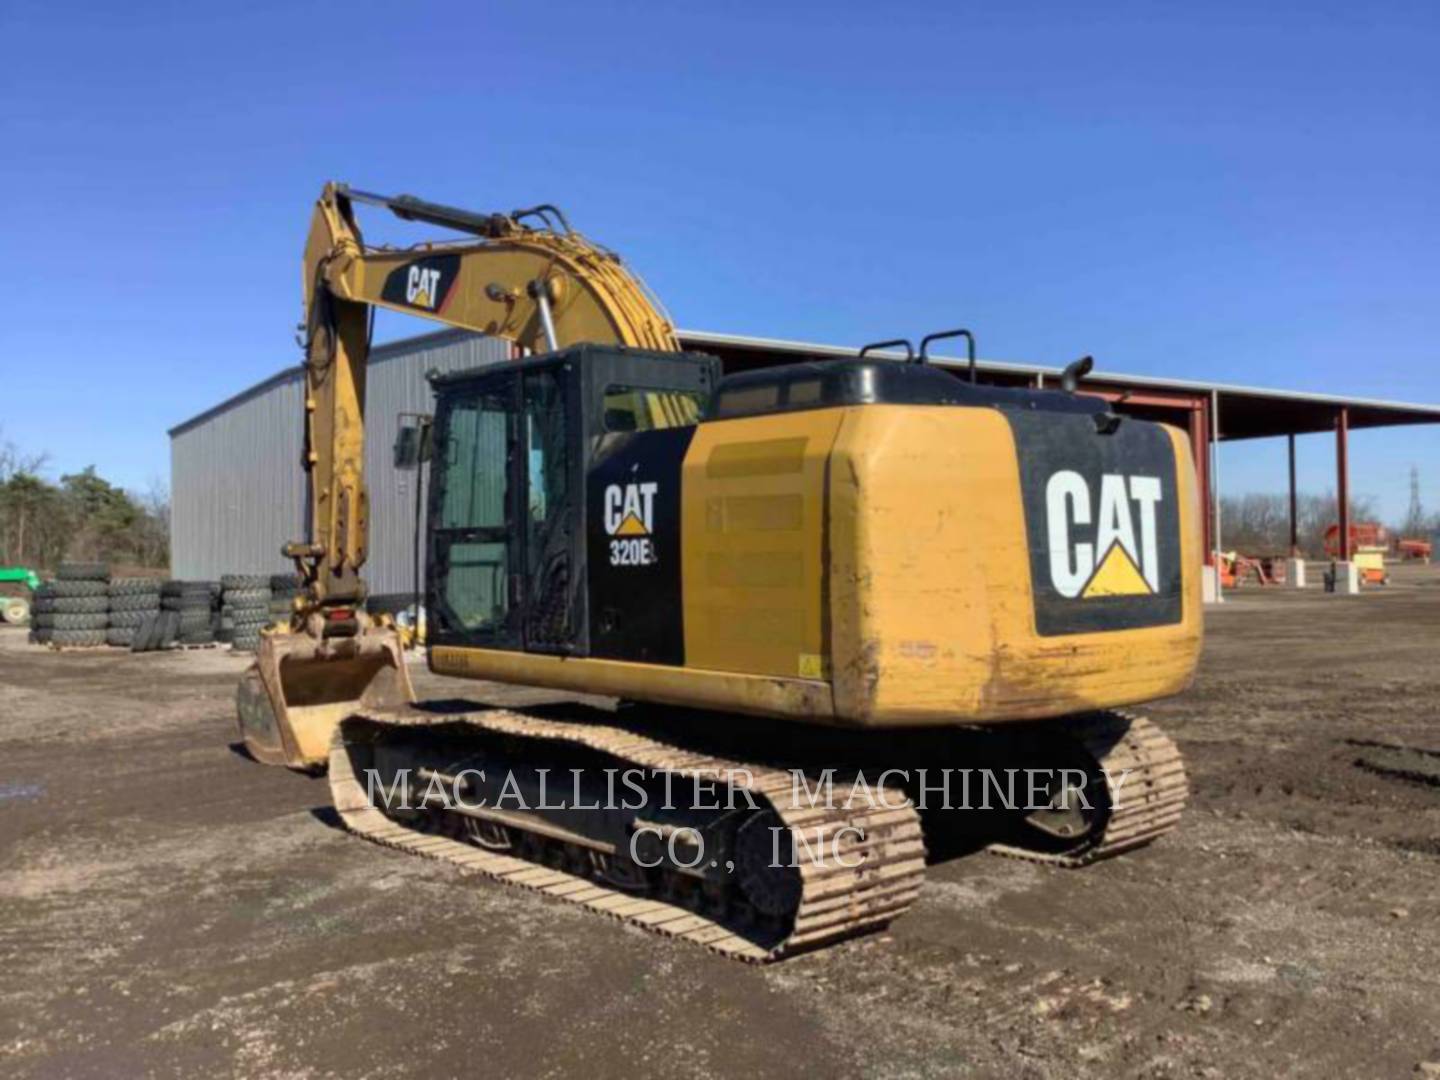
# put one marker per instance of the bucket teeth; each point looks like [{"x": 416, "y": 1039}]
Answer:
[{"x": 297, "y": 691}]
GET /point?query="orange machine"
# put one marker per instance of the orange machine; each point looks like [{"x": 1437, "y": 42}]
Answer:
[
  {"x": 1413, "y": 550},
  {"x": 1237, "y": 569},
  {"x": 1369, "y": 543}
]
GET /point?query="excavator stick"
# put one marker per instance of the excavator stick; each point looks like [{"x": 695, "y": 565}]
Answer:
[{"x": 294, "y": 696}]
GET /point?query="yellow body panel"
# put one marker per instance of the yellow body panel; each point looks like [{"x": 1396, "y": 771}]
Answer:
[
  {"x": 799, "y": 699},
  {"x": 931, "y": 606},
  {"x": 753, "y": 529}
]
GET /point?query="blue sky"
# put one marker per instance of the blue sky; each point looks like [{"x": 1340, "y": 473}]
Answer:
[{"x": 1238, "y": 191}]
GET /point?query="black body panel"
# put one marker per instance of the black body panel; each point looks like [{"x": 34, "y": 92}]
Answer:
[
  {"x": 633, "y": 505},
  {"x": 1085, "y": 493},
  {"x": 830, "y": 383}
]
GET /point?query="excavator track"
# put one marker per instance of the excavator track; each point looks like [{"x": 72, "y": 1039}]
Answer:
[
  {"x": 872, "y": 878},
  {"x": 1145, "y": 782}
]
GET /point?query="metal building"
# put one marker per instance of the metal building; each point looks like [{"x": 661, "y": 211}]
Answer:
[{"x": 237, "y": 490}]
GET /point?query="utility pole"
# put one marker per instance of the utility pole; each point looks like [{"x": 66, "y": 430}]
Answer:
[{"x": 1415, "y": 519}]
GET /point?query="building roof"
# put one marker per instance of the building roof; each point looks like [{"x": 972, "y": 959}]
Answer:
[
  {"x": 378, "y": 353},
  {"x": 1245, "y": 412}
]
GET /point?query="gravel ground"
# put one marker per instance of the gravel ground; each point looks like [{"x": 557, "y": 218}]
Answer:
[{"x": 169, "y": 908}]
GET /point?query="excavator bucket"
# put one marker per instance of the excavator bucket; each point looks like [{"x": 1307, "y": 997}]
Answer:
[{"x": 299, "y": 689}]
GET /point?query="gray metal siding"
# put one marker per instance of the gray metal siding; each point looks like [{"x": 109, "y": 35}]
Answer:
[
  {"x": 398, "y": 385},
  {"x": 238, "y": 492}
]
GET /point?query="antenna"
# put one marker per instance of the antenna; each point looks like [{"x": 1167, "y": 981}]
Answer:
[{"x": 1415, "y": 519}]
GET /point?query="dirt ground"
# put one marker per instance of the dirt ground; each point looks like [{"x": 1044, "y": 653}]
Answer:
[{"x": 169, "y": 908}]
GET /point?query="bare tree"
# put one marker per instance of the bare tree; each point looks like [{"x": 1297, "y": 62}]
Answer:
[
  {"x": 26, "y": 504},
  {"x": 152, "y": 538},
  {"x": 14, "y": 462},
  {"x": 1259, "y": 524},
  {"x": 84, "y": 516}
]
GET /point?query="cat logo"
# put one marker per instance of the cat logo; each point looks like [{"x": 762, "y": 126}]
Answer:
[
  {"x": 424, "y": 283},
  {"x": 1104, "y": 550},
  {"x": 630, "y": 520},
  {"x": 422, "y": 286}
]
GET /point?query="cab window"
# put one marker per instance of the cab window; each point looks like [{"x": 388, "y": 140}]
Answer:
[{"x": 639, "y": 408}]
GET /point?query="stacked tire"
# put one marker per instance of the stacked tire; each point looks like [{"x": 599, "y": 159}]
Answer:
[
  {"x": 42, "y": 614},
  {"x": 189, "y": 608},
  {"x": 77, "y": 606},
  {"x": 245, "y": 608},
  {"x": 132, "y": 601},
  {"x": 284, "y": 588}
]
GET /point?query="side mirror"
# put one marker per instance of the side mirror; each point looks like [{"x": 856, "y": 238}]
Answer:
[{"x": 414, "y": 444}]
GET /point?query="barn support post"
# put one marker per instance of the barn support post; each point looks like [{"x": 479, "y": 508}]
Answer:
[
  {"x": 1295, "y": 564},
  {"x": 1294, "y": 522},
  {"x": 1213, "y": 593},
  {"x": 1346, "y": 576},
  {"x": 1342, "y": 480}
]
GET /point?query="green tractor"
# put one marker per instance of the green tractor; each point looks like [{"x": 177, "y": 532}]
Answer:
[{"x": 16, "y": 609}]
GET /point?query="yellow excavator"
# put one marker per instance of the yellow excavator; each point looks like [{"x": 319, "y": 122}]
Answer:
[{"x": 857, "y": 598}]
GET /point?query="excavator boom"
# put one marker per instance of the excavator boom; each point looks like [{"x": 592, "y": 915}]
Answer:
[{"x": 528, "y": 278}]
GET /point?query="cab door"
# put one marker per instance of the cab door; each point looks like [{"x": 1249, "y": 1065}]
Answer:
[
  {"x": 503, "y": 566},
  {"x": 473, "y": 537},
  {"x": 550, "y": 554}
]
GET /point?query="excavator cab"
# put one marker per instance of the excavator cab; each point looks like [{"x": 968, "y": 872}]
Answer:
[{"x": 512, "y": 559}]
